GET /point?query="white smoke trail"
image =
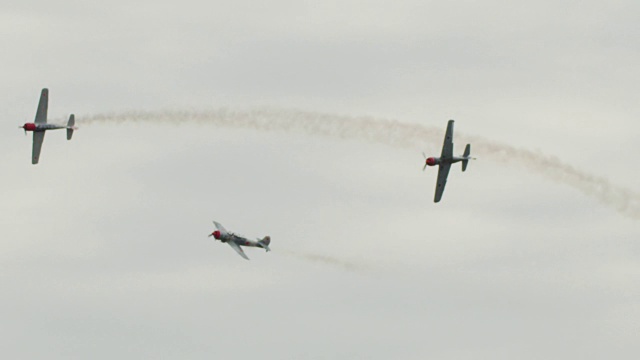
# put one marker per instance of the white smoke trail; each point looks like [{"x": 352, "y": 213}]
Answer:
[
  {"x": 625, "y": 201},
  {"x": 395, "y": 134},
  {"x": 325, "y": 259}
]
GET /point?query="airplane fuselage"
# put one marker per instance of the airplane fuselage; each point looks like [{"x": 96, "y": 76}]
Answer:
[
  {"x": 234, "y": 238},
  {"x": 433, "y": 161},
  {"x": 42, "y": 127}
]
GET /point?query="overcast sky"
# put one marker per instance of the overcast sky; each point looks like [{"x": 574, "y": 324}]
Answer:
[{"x": 105, "y": 254}]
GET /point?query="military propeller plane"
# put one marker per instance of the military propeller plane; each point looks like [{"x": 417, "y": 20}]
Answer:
[
  {"x": 39, "y": 126},
  {"x": 445, "y": 160},
  {"x": 235, "y": 241}
]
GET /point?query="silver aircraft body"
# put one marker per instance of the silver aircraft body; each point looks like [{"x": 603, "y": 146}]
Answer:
[
  {"x": 39, "y": 126},
  {"x": 445, "y": 160},
  {"x": 235, "y": 241}
]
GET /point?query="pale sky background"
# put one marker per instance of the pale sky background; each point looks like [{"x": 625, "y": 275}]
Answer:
[{"x": 104, "y": 251}]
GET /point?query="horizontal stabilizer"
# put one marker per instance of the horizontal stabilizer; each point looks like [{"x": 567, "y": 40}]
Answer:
[
  {"x": 70, "y": 126},
  {"x": 467, "y": 152}
]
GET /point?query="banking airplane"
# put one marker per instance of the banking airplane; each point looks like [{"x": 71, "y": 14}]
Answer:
[
  {"x": 445, "y": 160},
  {"x": 39, "y": 126},
  {"x": 235, "y": 241}
]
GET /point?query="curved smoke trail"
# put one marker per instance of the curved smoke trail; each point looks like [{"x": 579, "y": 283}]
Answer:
[{"x": 392, "y": 133}]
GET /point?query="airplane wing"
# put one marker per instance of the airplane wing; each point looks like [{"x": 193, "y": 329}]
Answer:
[
  {"x": 447, "y": 146},
  {"x": 38, "y": 137},
  {"x": 238, "y": 249},
  {"x": 41, "y": 114},
  {"x": 220, "y": 227},
  {"x": 443, "y": 172}
]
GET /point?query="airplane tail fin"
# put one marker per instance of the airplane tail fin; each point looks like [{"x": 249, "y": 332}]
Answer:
[
  {"x": 70, "y": 126},
  {"x": 467, "y": 152},
  {"x": 265, "y": 243}
]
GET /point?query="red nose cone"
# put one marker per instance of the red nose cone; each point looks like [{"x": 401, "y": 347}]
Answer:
[
  {"x": 29, "y": 127},
  {"x": 216, "y": 234},
  {"x": 431, "y": 161}
]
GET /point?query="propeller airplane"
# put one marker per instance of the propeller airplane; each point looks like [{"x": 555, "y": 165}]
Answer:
[
  {"x": 39, "y": 126},
  {"x": 235, "y": 241},
  {"x": 445, "y": 160}
]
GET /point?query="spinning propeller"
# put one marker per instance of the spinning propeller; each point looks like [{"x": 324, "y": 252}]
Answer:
[{"x": 425, "y": 161}]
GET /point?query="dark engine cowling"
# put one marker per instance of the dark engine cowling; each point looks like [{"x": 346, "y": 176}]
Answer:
[
  {"x": 432, "y": 161},
  {"x": 29, "y": 127}
]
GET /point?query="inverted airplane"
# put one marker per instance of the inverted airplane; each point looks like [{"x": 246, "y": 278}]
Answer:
[
  {"x": 445, "y": 160},
  {"x": 235, "y": 241},
  {"x": 39, "y": 126}
]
